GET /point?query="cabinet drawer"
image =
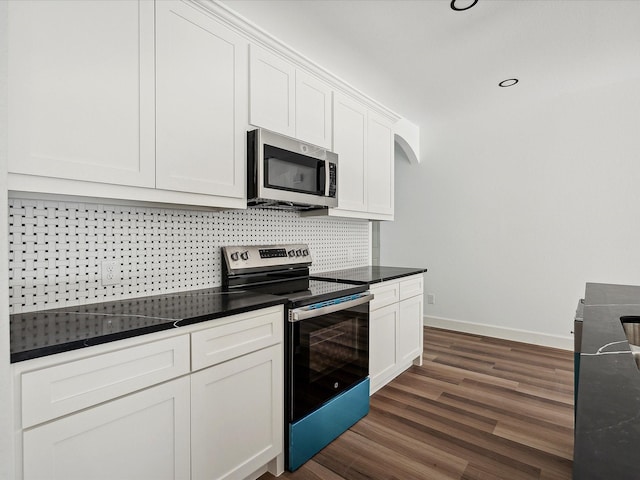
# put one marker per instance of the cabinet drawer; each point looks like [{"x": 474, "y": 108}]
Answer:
[
  {"x": 411, "y": 287},
  {"x": 242, "y": 335},
  {"x": 384, "y": 294},
  {"x": 61, "y": 389}
]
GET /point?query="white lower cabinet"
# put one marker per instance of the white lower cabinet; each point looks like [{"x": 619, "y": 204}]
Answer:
[
  {"x": 410, "y": 329},
  {"x": 383, "y": 330},
  {"x": 144, "y": 435},
  {"x": 203, "y": 402},
  {"x": 395, "y": 329},
  {"x": 237, "y": 415}
]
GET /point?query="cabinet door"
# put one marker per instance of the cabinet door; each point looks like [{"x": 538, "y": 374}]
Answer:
[
  {"x": 272, "y": 92},
  {"x": 201, "y": 102},
  {"x": 81, "y": 77},
  {"x": 380, "y": 165},
  {"x": 141, "y": 436},
  {"x": 350, "y": 143},
  {"x": 313, "y": 110},
  {"x": 237, "y": 415},
  {"x": 383, "y": 328},
  {"x": 410, "y": 329}
]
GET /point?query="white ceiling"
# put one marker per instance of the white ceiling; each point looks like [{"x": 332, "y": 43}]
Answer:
[{"x": 430, "y": 63}]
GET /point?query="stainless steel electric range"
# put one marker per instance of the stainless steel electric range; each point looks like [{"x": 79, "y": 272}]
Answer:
[{"x": 326, "y": 343}]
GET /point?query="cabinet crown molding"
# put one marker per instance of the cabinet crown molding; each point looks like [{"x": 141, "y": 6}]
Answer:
[{"x": 258, "y": 35}]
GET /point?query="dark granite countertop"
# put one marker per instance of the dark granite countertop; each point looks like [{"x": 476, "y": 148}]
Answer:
[
  {"x": 607, "y": 431},
  {"x": 45, "y": 332},
  {"x": 368, "y": 275}
]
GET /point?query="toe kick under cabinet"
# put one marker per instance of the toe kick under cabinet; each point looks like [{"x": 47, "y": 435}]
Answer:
[
  {"x": 395, "y": 329},
  {"x": 198, "y": 402}
]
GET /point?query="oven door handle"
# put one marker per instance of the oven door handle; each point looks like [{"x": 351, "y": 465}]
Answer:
[{"x": 304, "y": 313}]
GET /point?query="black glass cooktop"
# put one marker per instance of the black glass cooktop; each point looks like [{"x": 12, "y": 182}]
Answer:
[
  {"x": 305, "y": 292},
  {"x": 320, "y": 291}
]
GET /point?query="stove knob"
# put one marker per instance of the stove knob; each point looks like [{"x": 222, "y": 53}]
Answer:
[
  {"x": 234, "y": 256},
  {"x": 298, "y": 253},
  {"x": 244, "y": 255},
  {"x": 291, "y": 253},
  {"x": 305, "y": 252}
]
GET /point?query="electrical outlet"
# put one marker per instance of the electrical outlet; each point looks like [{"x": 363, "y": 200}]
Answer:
[
  {"x": 431, "y": 299},
  {"x": 110, "y": 272}
]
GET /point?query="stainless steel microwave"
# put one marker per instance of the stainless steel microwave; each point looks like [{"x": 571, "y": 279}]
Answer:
[{"x": 288, "y": 174}]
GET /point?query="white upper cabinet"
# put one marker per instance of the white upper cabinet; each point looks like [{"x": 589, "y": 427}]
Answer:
[
  {"x": 201, "y": 102},
  {"x": 151, "y": 100},
  {"x": 350, "y": 143},
  {"x": 81, "y": 82},
  {"x": 380, "y": 164},
  {"x": 363, "y": 140},
  {"x": 135, "y": 100},
  {"x": 287, "y": 100},
  {"x": 272, "y": 92},
  {"x": 313, "y": 110}
]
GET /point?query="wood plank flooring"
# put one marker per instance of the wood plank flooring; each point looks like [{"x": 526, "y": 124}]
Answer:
[{"x": 479, "y": 408}]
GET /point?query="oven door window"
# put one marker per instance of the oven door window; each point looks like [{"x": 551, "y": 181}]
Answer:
[
  {"x": 330, "y": 353},
  {"x": 284, "y": 170}
]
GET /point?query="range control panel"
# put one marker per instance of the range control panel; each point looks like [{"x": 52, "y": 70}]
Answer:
[
  {"x": 273, "y": 253},
  {"x": 260, "y": 256}
]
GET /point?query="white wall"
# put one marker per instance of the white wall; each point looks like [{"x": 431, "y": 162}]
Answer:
[
  {"x": 6, "y": 425},
  {"x": 513, "y": 210}
]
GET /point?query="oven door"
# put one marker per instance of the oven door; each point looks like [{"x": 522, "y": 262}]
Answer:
[{"x": 328, "y": 352}]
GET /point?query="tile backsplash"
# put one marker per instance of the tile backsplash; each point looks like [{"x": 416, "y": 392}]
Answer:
[{"x": 56, "y": 248}]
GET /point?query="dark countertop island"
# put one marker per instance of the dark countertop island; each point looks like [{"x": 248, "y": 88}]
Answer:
[
  {"x": 46, "y": 332},
  {"x": 607, "y": 431},
  {"x": 368, "y": 275}
]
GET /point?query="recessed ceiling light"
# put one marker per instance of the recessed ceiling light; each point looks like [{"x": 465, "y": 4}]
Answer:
[
  {"x": 510, "y": 82},
  {"x": 458, "y": 5}
]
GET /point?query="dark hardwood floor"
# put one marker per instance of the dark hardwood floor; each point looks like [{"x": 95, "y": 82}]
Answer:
[{"x": 479, "y": 408}]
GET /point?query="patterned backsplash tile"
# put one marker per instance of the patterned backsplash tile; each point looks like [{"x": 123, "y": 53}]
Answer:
[{"x": 56, "y": 248}]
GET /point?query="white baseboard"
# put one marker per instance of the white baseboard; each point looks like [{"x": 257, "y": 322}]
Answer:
[{"x": 526, "y": 336}]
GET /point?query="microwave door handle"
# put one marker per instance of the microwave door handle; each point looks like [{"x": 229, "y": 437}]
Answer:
[
  {"x": 323, "y": 178},
  {"x": 303, "y": 313}
]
